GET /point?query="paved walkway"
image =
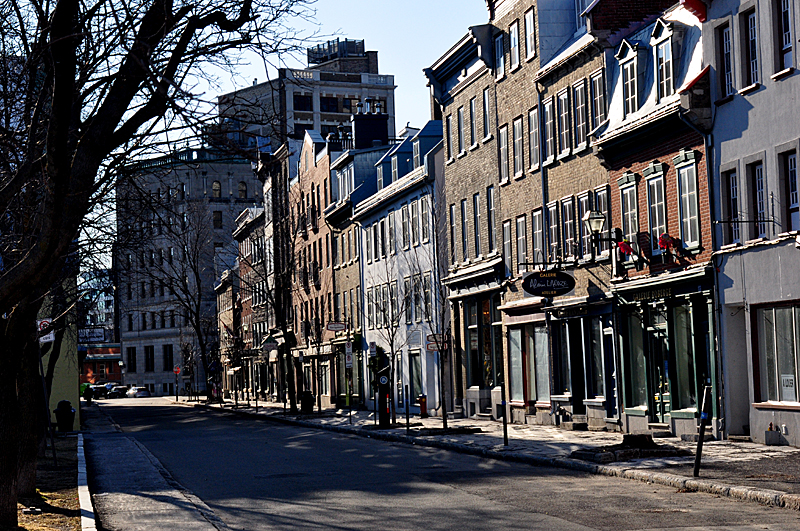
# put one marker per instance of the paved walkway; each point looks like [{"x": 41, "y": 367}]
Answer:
[{"x": 742, "y": 470}]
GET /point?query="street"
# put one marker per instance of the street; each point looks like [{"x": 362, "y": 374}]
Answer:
[{"x": 259, "y": 475}]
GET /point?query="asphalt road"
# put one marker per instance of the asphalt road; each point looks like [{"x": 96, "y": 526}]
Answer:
[{"x": 257, "y": 475}]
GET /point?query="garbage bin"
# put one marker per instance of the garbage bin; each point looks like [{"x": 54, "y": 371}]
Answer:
[
  {"x": 306, "y": 402},
  {"x": 65, "y": 416}
]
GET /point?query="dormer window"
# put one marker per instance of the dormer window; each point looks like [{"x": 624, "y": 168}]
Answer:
[
  {"x": 394, "y": 168},
  {"x": 380, "y": 177},
  {"x": 627, "y": 57},
  {"x": 661, "y": 41},
  {"x": 417, "y": 161}
]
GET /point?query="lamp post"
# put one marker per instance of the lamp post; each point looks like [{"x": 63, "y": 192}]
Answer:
[{"x": 594, "y": 221}]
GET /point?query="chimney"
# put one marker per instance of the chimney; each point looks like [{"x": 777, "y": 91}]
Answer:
[{"x": 370, "y": 130}]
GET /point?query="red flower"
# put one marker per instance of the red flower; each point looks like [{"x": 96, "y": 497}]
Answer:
[
  {"x": 625, "y": 247},
  {"x": 665, "y": 241}
]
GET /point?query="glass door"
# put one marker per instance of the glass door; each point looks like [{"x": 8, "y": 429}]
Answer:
[{"x": 659, "y": 367}]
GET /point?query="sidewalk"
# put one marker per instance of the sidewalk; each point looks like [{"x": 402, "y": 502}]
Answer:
[{"x": 741, "y": 470}]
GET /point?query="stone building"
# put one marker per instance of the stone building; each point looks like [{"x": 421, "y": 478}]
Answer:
[
  {"x": 752, "y": 50},
  {"x": 175, "y": 216},
  {"x": 341, "y": 74}
]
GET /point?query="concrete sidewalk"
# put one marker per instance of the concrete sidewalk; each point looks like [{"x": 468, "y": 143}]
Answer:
[
  {"x": 742, "y": 470},
  {"x": 130, "y": 488}
]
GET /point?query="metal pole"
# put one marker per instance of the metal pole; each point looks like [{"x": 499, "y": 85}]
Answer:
[
  {"x": 47, "y": 407},
  {"x": 406, "y": 404},
  {"x": 176, "y": 387},
  {"x": 704, "y": 421},
  {"x": 505, "y": 419}
]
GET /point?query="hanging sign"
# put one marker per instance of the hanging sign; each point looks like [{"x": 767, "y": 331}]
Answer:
[
  {"x": 42, "y": 325},
  {"x": 548, "y": 283}
]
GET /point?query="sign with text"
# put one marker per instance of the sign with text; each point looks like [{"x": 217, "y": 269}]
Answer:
[
  {"x": 348, "y": 361},
  {"x": 348, "y": 347},
  {"x": 548, "y": 283},
  {"x": 336, "y": 327},
  {"x": 433, "y": 347},
  {"x": 42, "y": 325},
  {"x": 373, "y": 349}
]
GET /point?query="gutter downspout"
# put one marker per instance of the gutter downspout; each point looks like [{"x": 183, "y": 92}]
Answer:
[{"x": 720, "y": 428}]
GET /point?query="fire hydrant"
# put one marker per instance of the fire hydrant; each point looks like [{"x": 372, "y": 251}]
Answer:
[{"x": 423, "y": 406}]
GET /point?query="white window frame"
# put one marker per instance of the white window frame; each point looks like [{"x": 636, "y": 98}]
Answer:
[
  {"x": 568, "y": 228},
  {"x": 629, "y": 208},
  {"x": 656, "y": 210},
  {"x": 487, "y": 131},
  {"x": 688, "y": 199},
  {"x": 490, "y": 218},
  {"x": 581, "y": 114},
  {"x": 499, "y": 56},
  {"x": 460, "y": 125},
  {"x": 537, "y": 233},
  {"x": 476, "y": 222},
  {"x": 601, "y": 204},
  {"x": 726, "y": 60},
  {"x": 598, "y": 95},
  {"x": 507, "y": 248},
  {"x": 751, "y": 59},
  {"x": 553, "y": 233},
  {"x": 630, "y": 85},
  {"x": 549, "y": 131},
  {"x": 530, "y": 34},
  {"x": 473, "y": 140},
  {"x": 522, "y": 244},
  {"x": 533, "y": 137},
  {"x": 424, "y": 217},
  {"x": 584, "y": 205},
  {"x": 513, "y": 33},
  {"x": 564, "y": 124},
  {"x": 503, "y": 145},
  {"x": 519, "y": 166}
]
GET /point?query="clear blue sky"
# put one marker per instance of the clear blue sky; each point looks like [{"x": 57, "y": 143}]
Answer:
[{"x": 409, "y": 35}]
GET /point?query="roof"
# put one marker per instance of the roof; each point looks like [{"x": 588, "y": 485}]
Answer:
[{"x": 565, "y": 54}]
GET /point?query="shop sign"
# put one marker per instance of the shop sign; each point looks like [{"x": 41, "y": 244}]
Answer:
[
  {"x": 653, "y": 294},
  {"x": 787, "y": 385},
  {"x": 548, "y": 283}
]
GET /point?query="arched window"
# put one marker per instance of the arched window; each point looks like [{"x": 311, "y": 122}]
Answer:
[
  {"x": 242, "y": 190},
  {"x": 216, "y": 189}
]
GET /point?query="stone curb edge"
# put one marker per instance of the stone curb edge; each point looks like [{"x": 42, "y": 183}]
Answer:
[
  {"x": 763, "y": 496},
  {"x": 84, "y": 497}
]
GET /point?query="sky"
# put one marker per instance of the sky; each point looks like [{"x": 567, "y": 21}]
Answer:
[{"x": 408, "y": 35}]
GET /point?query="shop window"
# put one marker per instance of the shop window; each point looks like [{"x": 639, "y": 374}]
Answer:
[
  {"x": 515, "y": 367},
  {"x": 634, "y": 352},
  {"x": 594, "y": 357},
  {"x": 778, "y": 332}
]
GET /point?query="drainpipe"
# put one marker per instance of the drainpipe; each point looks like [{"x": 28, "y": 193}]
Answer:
[{"x": 717, "y": 309}]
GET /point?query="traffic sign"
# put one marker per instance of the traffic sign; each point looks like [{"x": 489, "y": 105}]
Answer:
[
  {"x": 434, "y": 338},
  {"x": 348, "y": 361},
  {"x": 384, "y": 380},
  {"x": 42, "y": 325},
  {"x": 348, "y": 347},
  {"x": 177, "y": 369},
  {"x": 373, "y": 349},
  {"x": 433, "y": 347},
  {"x": 336, "y": 327},
  {"x": 269, "y": 344}
]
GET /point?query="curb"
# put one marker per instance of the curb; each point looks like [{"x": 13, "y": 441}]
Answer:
[
  {"x": 88, "y": 522},
  {"x": 751, "y": 494}
]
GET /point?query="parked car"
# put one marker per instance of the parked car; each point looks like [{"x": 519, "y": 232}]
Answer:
[
  {"x": 118, "y": 391},
  {"x": 100, "y": 391},
  {"x": 138, "y": 392}
]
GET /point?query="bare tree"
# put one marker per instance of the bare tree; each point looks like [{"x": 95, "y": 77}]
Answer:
[{"x": 85, "y": 87}]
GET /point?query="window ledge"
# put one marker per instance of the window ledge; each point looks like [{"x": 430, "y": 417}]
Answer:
[
  {"x": 789, "y": 406},
  {"x": 487, "y": 138},
  {"x": 749, "y": 88},
  {"x": 534, "y": 168},
  {"x": 474, "y": 146},
  {"x": 518, "y": 176},
  {"x": 450, "y": 161},
  {"x": 777, "y": 76},
  {"x": 638, "y": 411},
  {"x": 583, "y": 146},
  {"x": 500, "y": 77},
  {"x": 561, "y": 398},
  {"x": 598, "y": 401},
  {"x": 564, "y": 154},
  {"x": 515, "y": 68},
  {"x": 461, "y": 154},
  {"x": 505, "y": 182},
  {"x": 530, "y": 58},
  {"x": 723, "y": 101},
  {"x": 754, "y": 241},
  {"x": 549, "y": 161}
]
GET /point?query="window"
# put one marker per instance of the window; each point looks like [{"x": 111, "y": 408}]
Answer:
[
  {"x": 522, "y": 244},
  {"x": 472, "y": 117},
  {"x": 380, "y": 177},
  {"x": 376, "y": 241},
  {"x": 549, "y": 131},
  {"x": 749, "y": 25},
  {"x": 242, "y": 190},
  {"x": 414, "y": 223},
  {"x": 725, "y": 67},
  {"x": 448, "y": 134},
  {"x": 370, "y": 310},
  {"x": 530, "y": 35},
  {"x": 476, "y": 222},
  {"x": 405, "y": 228},
  {"x": 303, "y": 102},
  {"x": 584, "y": 206},
  {"x": 217, "y": 216},
  {"x": 513, "y": 39},
  {"x": 390, "y": 230},
  {"x": 778, "y": 331},
  {"x": 664, "y": 68},
  {"x": 630, "y": 224},
  {"x": 461, "y": 147},
  {"x": 731, "y": 184},
  {"x": 418, "y": 297},
  {"x": 453, "y": 233},
  {"x": 598, "y": 99},
  {"x": 518, "y": 167},
  {"x": 416, "y": 155},
  {"x": 784, "y": 34},
  {"x": 395, "y": 173},
  {"x": 408, "y": 300},
  {"x": 629, "y": 87},
  {"x": 367, "y": 242},
  {"x": 464, "y": 229},
  {"x": 538, "y": 237},
  {"x": 507, "y": 256},
  {"x": 689, "y": 216},
  {"x": 131, "y": 357},
  {"x": 581, "y": 117},
  {"x": 149, "y": 358},
  {"x": 499, "y": 57},
  {"x": 759, "y": 198},
  {"x": 167, "y": 355},
  {"x": 568, "y": 227},
  {"x": 563, "y": 123},
  {"x": 490, "y": 213},
  {"x": 790, "y": 172},
  {"x": 216, "y": 190},
  {"x": 533, "y": 137},
  {"x": 504, "y": 154},
  {"x": 657, "y": 211},
  {"x": 601, "y": 205},
  {"x": 553, "y": 232},
  {"x": 486, "y": 123},
  {"x": 427, "y": 300}
]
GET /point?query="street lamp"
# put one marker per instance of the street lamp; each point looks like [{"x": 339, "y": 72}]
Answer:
[{"x": 594, "y": 221}]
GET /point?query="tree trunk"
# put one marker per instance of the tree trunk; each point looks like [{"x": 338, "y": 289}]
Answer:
[
  {"x": 32, "y": 418},
  {"x": 393, "y": 388}
]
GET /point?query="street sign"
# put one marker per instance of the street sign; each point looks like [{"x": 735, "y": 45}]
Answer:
[
  {"x": 384, "y": 380},
  {"x": 373, "y": 349},
  {"x": 433, "y": 347},
  {"x": 42, "y": 325},
  {"x": 348, "y": 361},
  {"x": 348, "y": 348},
  {"x": 550, "y": 283},
  {"x": 434, "y": 338},
  {"x": 336, "y": 327},
  {"x": 269, "y": 343},
  {"x": 177, "y": 369}
]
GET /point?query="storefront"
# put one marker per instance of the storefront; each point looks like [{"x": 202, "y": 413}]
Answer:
[{"x": 666, "y": 339}]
